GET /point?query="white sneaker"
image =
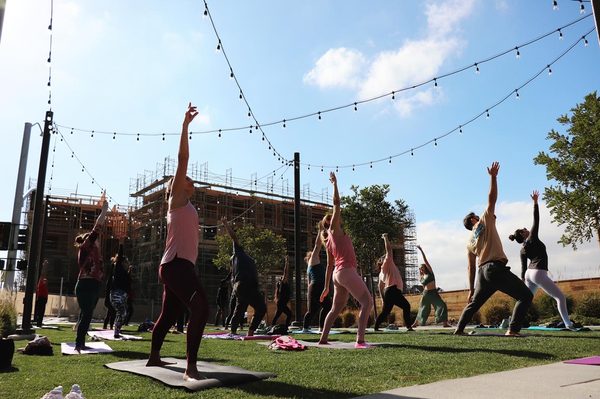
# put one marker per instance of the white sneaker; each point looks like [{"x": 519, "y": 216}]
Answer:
[
  {"x": 75, "y": 393},
  {"x": 56, "y": 393}
]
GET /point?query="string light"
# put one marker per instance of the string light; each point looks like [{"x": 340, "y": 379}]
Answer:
[
  {"x": 581, "y": 7},
  {"x": 585, "y": 41},
  {"x": 355, "y": 107},
  {"x": 549, "y": 70},
  {"x": 554, "y": 5},
  {"x": 435, "y": 82},
  {"x": 518, "y": 55},
  {"x": 393, "y": 95},
  {"x": 560, "y": 34},
  {"x": 475, "y": 65},
  {"x": 487, "y": 113},
  {"x": 477, "y": 116}
]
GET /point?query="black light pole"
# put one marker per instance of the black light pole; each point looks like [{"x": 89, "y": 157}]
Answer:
[
  {"x": 596, "y": 12},
  {"x": 37, "y": 225},
  {"x": 297, "y": 254}
]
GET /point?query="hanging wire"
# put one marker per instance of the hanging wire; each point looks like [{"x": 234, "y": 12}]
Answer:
[
  {"x": 49, "y": 60},
  {"x": 84, "y": 168},
  {"x": 460, "y": 127},
  {"x": 233, "y": 75},
  {"x": 319, "y": 114}
]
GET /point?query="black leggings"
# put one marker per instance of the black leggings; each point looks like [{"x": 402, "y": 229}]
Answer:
[
  {"x": 282, "y": 308},
  {"x": 315, "y": 304},
  {"x": 247, "y": 294},
  {"x": 393, "y": 296}
]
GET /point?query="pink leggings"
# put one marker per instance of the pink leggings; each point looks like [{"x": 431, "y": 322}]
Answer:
[
  {"x": 182, "y": 289},
  {"x": 347, "y": 282}
]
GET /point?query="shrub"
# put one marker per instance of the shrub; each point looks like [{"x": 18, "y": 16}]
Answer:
[
  {"x": 532, "y": 314},
  {"x": 476, "y": 319},
  {"x": 348, "y": 319},
  {"x": 546, "y": 305},
  {"x": 589, "y": 305},
  {"x": 338, "y": 322},
  {"x": 495, "y": 310},
  {"x": 8, "y": 315}
]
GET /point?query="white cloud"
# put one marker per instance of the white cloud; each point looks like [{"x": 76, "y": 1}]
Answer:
[
  {"x": 444, "y": 243},
  {"x": 443, "y": 18},
  {"x": 339, "y": 67},
  {"x": 415, "y": 61}
]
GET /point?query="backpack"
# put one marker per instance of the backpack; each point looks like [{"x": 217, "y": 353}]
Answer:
[{"x": 288, "y": 343}]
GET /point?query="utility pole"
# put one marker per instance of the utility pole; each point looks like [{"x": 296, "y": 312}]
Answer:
[
  {"x": 37, "y": 225},
  {"x": 17, "y": 206},
  {"x": 297, "y": 254}
]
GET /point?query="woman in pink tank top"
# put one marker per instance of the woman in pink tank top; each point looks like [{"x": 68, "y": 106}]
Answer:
[
  {"x": 181, "y": 286},
  {"x": 341, "y": 262}
]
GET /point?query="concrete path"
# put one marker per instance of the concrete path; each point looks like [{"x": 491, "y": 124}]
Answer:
[{"x": 556, "y": 380}]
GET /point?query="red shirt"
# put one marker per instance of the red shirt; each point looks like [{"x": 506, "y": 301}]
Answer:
[{"x": 42, "y": 288}]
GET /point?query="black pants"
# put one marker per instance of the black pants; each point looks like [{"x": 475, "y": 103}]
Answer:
[
  {"x": 315, "y": 305},
  {"x": 247, "y": 294},
  {"x": 40, "y": 309},
  {"x": 111, "y": 313},
  {"x": 220, "y": 315},
  {"x": 492, "y": 277},
  {"x": 393, "y": 296},
  {"x": 232, "y": 302},
  {"x": 282, "y": 308}
]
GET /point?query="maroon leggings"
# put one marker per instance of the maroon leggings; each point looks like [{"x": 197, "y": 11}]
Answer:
[{"x": 182, "y": 289}]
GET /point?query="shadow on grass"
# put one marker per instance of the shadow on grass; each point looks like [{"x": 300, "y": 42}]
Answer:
[
  {"x": 135, "y": 355},
  {"x": 509, "y": 352},
  {"x": 9, "y": 370},
  {"x": 268, "y": 388}
]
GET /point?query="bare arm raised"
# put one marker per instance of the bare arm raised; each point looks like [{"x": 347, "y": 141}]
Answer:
[
  {"x": 336, "y": 219},
  {"x": 178, "y": 196},
  {"x": 425, "y": 259},
  {"x": 493, "y": 195}
]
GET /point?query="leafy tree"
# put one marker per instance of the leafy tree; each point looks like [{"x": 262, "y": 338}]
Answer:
[
  {"x": 266, "y": 247},
  {"x": 575, "y": 168},
  {"x": 366, "y": 215}
]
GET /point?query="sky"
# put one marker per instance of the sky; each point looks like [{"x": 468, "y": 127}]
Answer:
[{"x": 132, "y": 67}]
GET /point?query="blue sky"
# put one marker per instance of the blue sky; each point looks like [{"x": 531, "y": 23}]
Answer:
[{"x": 132, "y": 67}]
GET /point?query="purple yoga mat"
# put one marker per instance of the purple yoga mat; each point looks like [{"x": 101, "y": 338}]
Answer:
[{"x": 590, "y": 361}]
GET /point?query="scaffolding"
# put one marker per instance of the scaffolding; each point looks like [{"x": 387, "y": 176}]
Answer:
[{"x": 411, "y": 257}]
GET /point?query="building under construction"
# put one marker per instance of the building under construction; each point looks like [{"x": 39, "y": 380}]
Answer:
[
  {"x": 262, "y": 204},
  {"x": 142, "y": 229}
]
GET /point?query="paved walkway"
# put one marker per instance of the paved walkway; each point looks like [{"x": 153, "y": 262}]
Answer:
[{"x": 556, "y": 380}]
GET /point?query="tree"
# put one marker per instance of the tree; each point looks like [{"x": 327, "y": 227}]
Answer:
[
  {"x": 575, "y": 198},
  {"x": 267, "y": 248},
  {"x": 366, "y": 215}
]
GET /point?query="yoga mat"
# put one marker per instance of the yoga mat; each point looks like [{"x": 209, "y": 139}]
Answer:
[
  {"x": 109, "y": 335},
  {"x": 334, "y": 344},
  {"x": 311, "y": 331},
  {"x": 542, "y": 328},
  {"x": 172, "y": 375},
  {"x": 261, "y": 337},
  {"x": 491, "y": 334},
  {"x": 213, "y": 335},
  {"x": 68, "y": 348},
  {"x": 589, "y": 361}
]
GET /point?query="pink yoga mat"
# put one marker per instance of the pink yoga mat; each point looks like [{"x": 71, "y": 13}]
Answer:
[{"x": 590, "y": 361}]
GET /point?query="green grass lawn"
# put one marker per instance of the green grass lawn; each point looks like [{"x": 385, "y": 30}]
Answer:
[{"x": 411, "y": 358}]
